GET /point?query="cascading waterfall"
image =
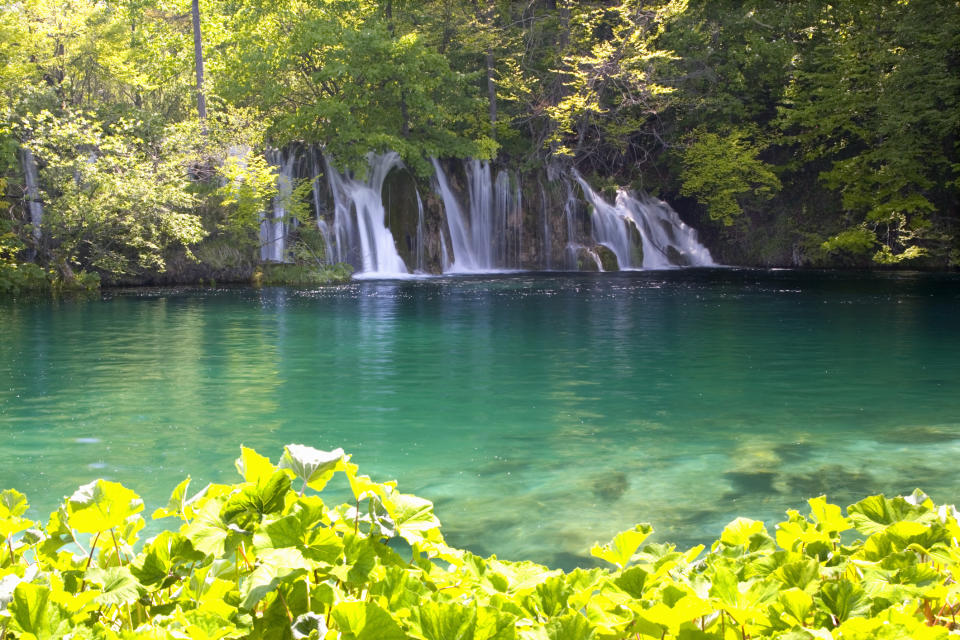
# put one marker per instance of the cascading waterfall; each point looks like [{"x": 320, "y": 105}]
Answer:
[
  {"x": 274, "y": 229},
  {"x": 485, "y": 224},
  {"x": 359, "y": 218},
  {"x": 481, "y": 213},
  {"x": 464, "y": 260},
  {"x": 34, "y": 204},
  {"x": 488, "y": 237},
  {"x": 569, "y": 210},
  {"x": 666, "y": 240}
]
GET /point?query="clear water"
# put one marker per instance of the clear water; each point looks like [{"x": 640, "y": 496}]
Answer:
[{"x": 540, "y": 412}]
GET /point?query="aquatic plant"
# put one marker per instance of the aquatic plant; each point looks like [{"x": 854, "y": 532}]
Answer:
[{"x": 269, "y": 558}]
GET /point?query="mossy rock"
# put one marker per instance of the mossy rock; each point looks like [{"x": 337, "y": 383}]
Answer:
[
  {"x": 636, "y": 244},
  {"x": 402, "y": 214},
  {"x": 586, "y": 260},
  {"x": 677, "y": 258},
  {"x": 608, "y": 259}
]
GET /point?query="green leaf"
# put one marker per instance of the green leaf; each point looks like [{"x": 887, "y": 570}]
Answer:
[
  {"x": 829, "y": 517},
  {"x": 313, "y": 466},
  {"x": 358, "y": 560},
  {"x": 12, "y": 504},
  {"x": 34, "y": 613},
  {"x": 844, "y": 599},
  {"x": 874, "y": 514},
  {"x": 177, "y": 502},
  {"x": 101, "y": 505},
  {"x": 165, "y": 559},
  {"x": 267, "y": 496},
  {"x": 117, "y": 585},
  {"x": 276, "y": 567},
  {"x": 446, "y": 621},
  {"x": 633, "y": 581},
  {"x": 740, "y": 531},
  {"x": 619, "y": 550},
  {"x": 797, "y": 603},
  {"x": 366, "y": 621},
  {"x": 495, "y": 624},
  {"x": 413, "y": 516},
  {"x": 572, "y": 626},
  {"x": 307, "y": 623},
  {"x": 317, "y": 543},
  {"x": 205, "y": 625},
  {"x": 802, "y": 574},
  {"x": 253, "y": 466},
  {"x": 208, "y": 532}
]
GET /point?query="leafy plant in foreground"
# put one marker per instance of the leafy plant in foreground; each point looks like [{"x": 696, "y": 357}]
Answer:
[{"x": 268, "y": 558}]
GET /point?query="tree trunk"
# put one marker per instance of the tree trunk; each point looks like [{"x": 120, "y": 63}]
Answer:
[
  {"x": 198, "y": 58},
  {"x": 491, "y": 82}
]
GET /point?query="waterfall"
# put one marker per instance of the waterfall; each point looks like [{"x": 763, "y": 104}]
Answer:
[
  {"x": 666, "y": 240},
  {"x": 359, "y": 219},
  {"x": 482, "y": 225},
  {"x": 274, "y": 229},
  {"x": 569, "y": 210},
  {"x": 547, "y": 262},
  {"x": 319, "y": 208},
  {"x": 463, "y": 258},
  {"x": 488, "y": 237},
  {"x": 34, "y": 204},
  {"x": 421, "y": 259}
]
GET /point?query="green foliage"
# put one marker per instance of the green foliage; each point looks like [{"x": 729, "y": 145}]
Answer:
[
  {"x": 612, "y": 95},
  {"x": 856, "y": 242},
  {"x": 269, "y": 558},
  {"x": 338, "y": 74},
  {"x": 18, "y": 277},
  {"x": 720, "y": 170},
  {"x": 874, "y": 100},
  {"x": 117, "y": 199}
]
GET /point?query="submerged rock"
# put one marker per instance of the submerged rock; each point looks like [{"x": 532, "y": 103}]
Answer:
[
  {"x": 922, "y": 434},
  {"x": 610, "y": 486},
  {"x": 752, "y": 482},
  {"x": 836, "y": 482}
]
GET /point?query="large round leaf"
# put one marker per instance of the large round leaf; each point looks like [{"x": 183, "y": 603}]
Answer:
[{"x": 101, "y": 505}]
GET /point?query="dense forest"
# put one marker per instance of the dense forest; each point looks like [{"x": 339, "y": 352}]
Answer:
[{"x": 788, "y": 133}]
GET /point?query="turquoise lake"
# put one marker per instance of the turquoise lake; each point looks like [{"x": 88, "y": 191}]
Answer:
[{"x": 540, "y": 412}]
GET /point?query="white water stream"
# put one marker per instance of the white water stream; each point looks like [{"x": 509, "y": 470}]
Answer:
[
  {"x": 275, "y": 227},
  {"x": 359, "y": 219},
  {"x": 667, "y": 241}
]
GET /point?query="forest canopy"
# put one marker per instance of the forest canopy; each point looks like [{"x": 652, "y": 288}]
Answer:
[{"x": 823, "y": 131}]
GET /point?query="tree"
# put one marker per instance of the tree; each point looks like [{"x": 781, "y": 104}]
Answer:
[
  {"x": 340, "y": 75},
  {"x": 875, "y": 97}
]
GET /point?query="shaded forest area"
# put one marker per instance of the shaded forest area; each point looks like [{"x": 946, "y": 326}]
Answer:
[{"x": 788, "y": 133}]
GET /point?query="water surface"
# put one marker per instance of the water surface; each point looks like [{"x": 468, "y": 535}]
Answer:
[{"x": 541, "y": 412}]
